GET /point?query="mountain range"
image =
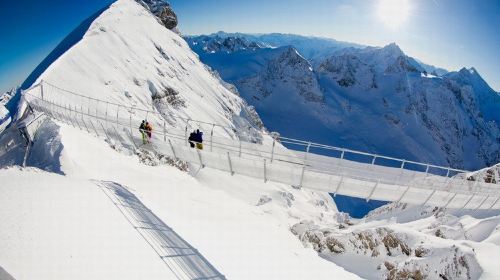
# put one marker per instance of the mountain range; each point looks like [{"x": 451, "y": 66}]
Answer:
[{"x": 374, "y": 99}]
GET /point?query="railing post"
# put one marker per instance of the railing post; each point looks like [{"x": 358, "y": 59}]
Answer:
[
  {"x": 105, "y": 132},
  {"x": 96, "y": 109},
  {"x": 164, "y": 131},
  {"x": 239, "y": 151},
  {"x": 403, "y": 195},
  {"x": 186, "y": 133},
  {"x": 97, "y": 133},
  {"x": 83, "y": 120},
  {"x": 429, "y": 197},
  {"x": 76, "y": 118},
  {"x": 130, "y": 122},
  {"x": 339, "y": 164},
  {"x": 481, "y": 204},
  {"x": 338, "y": 186},
  {"x": 272, "y": 151},
  {"x": 304, "y": 165},
  {"x": 400, "y": 176},
  {"x": 106, "y": 115},
  {"x": 447, "y": 180},
  {"x": 212, "y": 137},
  {"x": 41, "y": 89},
  {"x": 494, "y": 203},
  {"x": 449, "y": 201},
  {"x": 88, "y": 108},
  {"x": 173, "y": 151},
  {"x": 230, "y": 164},
  {"x": 373, "y": 162},
  {"x": 472, "y": 196},
  {"x": 68, "y": 111},
  {"x": 199, "y": 157},
  {"x": 265, "y": 172},
  {"x": 373, "y": 190}
]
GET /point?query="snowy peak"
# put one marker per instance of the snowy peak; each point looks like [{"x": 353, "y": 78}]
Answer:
[
  {"x": 347, "y": 69},
  {"x": 228, "y": 44},
  {"x": 352, "y": 66},
  {"x": 291, "y": 61},
  {"x": 470, "y": 87},
  {"x": 128, "y": 57},
  {"x": 470, "y": 75},
  {"x": 289, "y": 72},
  {"x": 392, "y": 49}
]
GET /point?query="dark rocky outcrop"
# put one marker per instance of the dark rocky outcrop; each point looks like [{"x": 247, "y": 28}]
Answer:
[{"x": 163, "y": 11}]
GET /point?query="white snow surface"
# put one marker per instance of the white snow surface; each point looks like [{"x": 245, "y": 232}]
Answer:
[{"x": 64, "y": 227}]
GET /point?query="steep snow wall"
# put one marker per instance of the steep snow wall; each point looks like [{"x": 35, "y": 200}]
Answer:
[{"x": 127, "y": 57}]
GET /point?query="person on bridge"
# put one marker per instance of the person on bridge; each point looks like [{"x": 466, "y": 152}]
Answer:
[
  {"x": 149, "y": 131},
  {"x": 199, "y": 139},
  {"x": 192, "y": 138},
  {"x": 142, "y": 130}
]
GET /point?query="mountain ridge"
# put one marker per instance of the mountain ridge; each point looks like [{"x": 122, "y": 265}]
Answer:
[{"x": 348, "y": 79}]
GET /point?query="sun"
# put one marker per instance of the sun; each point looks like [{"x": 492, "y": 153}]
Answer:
[{"x": 393, "y": 13}]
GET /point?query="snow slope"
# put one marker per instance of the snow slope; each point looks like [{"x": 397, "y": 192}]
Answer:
[
  {"x": 51, "y": 221},
  {"x": 127, "y": 57}
]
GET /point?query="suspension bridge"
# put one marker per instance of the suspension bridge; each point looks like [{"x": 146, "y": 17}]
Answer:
[{"x": 308, "y": 165}]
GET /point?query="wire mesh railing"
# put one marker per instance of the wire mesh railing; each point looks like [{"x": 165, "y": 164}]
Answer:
[{"x": 334, "y": 170}]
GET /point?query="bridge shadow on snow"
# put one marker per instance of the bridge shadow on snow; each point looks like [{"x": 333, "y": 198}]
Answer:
[{"x": 183, "y": 260}]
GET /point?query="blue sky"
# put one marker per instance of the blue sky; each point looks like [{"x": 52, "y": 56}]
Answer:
[
  {"x": 31, "y": 29},
  {"x": 446, "y": 33}
]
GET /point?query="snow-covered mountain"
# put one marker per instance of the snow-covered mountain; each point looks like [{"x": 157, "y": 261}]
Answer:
[
  {"x": 58, "y": 220},
  {"x": 368, "y": 99},
  {"x": 314, "y": 49}
]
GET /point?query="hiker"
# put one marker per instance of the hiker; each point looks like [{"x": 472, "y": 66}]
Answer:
[
  {"x": 199, "y": 139},
  {"x": 192, "y": 138},
  {"x": 142, "y": 129},
  {"x": 149, "y": 131}
]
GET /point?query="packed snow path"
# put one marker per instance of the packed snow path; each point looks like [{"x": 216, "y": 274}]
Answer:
[
  {"x": 319, "y": 167},
  {"x": 182, "y": 259}
]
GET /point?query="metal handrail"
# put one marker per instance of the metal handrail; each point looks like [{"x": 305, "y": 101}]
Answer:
[
  {"x": 251, "y": 152},
  {"x": 282, "y": 139}
]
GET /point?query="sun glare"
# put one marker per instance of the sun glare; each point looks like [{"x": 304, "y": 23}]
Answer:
[{"x": 393, "y": 13}]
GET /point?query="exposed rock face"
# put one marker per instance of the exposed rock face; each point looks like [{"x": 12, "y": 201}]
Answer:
[
  {"x": 287, "y": 73},
  {"x": 163, "y": 11},
  {"x": 395, "y": 254}
]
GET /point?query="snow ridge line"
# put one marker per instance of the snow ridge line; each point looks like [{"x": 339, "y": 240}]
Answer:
[
  {"x": 183, "y": 260},
  {"x": 320, "y": 172}
]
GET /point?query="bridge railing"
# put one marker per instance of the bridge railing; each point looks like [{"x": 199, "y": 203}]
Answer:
[{"x": 339, "y": 171}]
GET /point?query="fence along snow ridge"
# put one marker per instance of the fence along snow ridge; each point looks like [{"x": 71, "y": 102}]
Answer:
[{"x": 338, "y": 175}]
